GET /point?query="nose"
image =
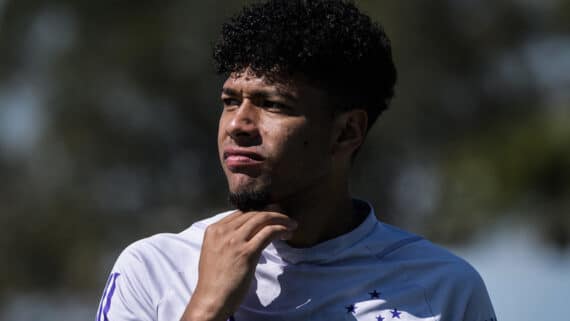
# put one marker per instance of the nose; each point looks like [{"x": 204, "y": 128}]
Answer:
[{"x": 243, "y": 126}]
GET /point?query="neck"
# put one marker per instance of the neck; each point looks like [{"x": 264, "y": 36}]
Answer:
[{"x": 322, "y": 215}]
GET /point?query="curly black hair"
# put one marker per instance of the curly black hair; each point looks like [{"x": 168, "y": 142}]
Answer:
[{"x": 330, "y": 42}]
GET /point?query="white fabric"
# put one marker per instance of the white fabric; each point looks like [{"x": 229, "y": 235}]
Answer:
[{"x": 375, "y": 272}]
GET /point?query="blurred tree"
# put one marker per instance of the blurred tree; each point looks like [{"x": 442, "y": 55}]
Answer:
[{"x": 108, "y": 117}]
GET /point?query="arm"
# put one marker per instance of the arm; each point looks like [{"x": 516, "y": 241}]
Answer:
[{"x": 124, "y": 298}]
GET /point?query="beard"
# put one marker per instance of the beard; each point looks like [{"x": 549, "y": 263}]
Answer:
[{"x": 247, "y": 201}]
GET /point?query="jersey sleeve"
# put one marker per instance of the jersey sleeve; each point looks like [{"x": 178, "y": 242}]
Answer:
[
  {"x": 479, "y": 306},
  {"x": 125, "y": 297},
  {"x": 462, "y": 295},
  {"x": 454, "y": 290}
]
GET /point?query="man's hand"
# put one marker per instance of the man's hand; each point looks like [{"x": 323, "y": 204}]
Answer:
[{"x": 230, "y": 252}]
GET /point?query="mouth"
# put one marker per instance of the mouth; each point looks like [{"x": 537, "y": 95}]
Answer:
[{"x": 235, "y": 158}]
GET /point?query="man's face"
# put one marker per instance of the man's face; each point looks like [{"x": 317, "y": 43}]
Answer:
[{"x": 274, "y": 136}]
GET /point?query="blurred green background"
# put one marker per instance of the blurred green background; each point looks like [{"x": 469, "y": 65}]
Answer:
[{"x": 108, "y": 120}]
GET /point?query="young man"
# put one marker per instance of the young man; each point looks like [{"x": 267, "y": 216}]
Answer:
[{"x": 306, "y": 81}]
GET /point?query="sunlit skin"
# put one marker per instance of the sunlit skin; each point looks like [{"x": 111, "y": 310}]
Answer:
[
  {"x": 282, "y": 123},
  {"x": 280, "y": 136}
]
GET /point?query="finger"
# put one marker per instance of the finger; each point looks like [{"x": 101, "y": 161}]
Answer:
[
  {"x": 222, "y": 227},
  {"x": 256, "y": 221},
  {"x": 240, "y": 220},
  {"x": 230, "y": 218},
  {"x": 265, "y": 236}
]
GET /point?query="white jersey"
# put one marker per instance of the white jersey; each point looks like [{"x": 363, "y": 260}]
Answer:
[{"x": 376, "y": 272}]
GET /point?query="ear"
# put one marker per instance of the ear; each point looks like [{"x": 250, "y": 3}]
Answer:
[{"x": 350, "y": 130}]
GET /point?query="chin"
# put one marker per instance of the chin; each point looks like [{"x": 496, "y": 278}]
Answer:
[{"x": 250, "y": 198}]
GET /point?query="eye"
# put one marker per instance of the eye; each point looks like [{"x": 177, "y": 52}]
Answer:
[
  {"x": 231, "y": 102},
  {"x": 274, "y": 106}
]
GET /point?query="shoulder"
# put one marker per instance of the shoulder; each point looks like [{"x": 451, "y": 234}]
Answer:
[
  {"x": 147, "y": 251},
  {"x": 149, "y": 269},
  {"x": 419, "y": 254},
  {"x": 453, "y": 287},
  {"x": 164, "y": 254},
  {"x": 439, "y": 268}
]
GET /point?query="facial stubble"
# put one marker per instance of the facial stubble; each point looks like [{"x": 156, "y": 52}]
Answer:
[{"x": 250, "y": 200}]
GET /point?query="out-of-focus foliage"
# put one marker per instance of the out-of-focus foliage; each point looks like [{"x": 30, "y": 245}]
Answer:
[{"x": 108, "y": 120}]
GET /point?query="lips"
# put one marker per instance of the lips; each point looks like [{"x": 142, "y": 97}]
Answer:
[{"x": 235, "y": 158}]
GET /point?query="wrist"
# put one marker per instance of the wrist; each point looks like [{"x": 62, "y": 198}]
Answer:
[{"x": 201, "y": 309}]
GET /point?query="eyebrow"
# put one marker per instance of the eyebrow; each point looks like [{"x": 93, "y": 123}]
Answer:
[{"x": 261, "y": 93}]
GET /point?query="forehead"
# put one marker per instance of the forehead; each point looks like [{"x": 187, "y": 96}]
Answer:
[
  {"x": 296, "y": 86},
  {"x": 280, "y": 83}
]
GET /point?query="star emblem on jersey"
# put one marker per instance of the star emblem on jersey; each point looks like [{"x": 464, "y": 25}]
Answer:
[
  {"x": 350, "y": 309},
  {"x": 395, "y": 314},
  {"x": 379, "y": 318},
  {"x": 374, "y": 294}
]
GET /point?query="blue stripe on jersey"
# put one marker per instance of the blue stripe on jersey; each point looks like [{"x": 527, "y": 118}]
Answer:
[
  {"x": 98, "y": 318},
  {"x": 105, "y": 304}
]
